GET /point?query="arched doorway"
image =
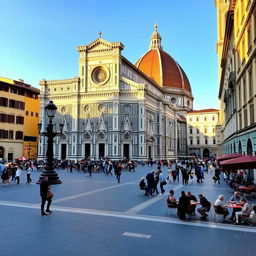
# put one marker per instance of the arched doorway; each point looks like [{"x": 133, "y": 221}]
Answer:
[
  {"x": 240, "y": 148},
  {"x": 63, "y": 147},
  {"x": 234, "y": 147},
  {"x": 206, "y": 152},
  {"x": 249, "y": 147},
  {"x": 1, "y": 153}
]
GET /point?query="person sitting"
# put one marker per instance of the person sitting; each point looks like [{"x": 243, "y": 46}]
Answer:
[
  {"x": 206, "y": 206},
  {"x": 246, "y": 211},
  {"x": 192, "y": 207},
  {"x": 171, "y": 200},
  {"x": 184, "y": 202},
  {"x": 236, "y": 198},
  {"x": 220, "y": 208}
]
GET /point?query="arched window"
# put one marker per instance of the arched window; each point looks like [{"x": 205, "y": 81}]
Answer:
[{"x": 249, "y": 147}]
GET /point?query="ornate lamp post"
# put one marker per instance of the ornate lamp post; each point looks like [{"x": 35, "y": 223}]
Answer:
[{"x": 49, "y": 171}]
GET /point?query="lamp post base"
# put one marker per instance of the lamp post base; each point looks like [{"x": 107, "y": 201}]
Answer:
[{"x": 53, "y": 177}]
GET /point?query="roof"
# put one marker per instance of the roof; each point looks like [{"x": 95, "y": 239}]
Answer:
[
  {"x": 163, "y": 69},
  {"x": 203, "y": 111},
  {"x": 19, "y": 84}
]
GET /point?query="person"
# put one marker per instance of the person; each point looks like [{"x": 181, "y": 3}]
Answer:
[
  {"x": 246, "y": 211},
  {"x": 17, "y": 174},
  {"x": 171, "y": 200},
  {"x": 236, "y": 198},
  {"x": 206, "y": 206},
  {"x": 217, "y": 175},
  {"x": 4, "y": 176},
  {"x": 184, "y": 202},
  {"x": 118, "y": 172},
  {"x": 191, "y": 207},
  {"x": 13, "y": 171},
  {"x": 197, "y": 172},
  {"x": 220, "y": 207},
  {"x": 253, "y": 215},
  {"x": 2, "y": 168},
  {"x": 162, "y": 181},
  {"x": 44, "y": 193},
  {"x": 156, "y": 180},
  {"x": 29, "y": 174},
  {"x": 90, "y": 167},
  {"x": 184, "y": 175},
  {"x": 143, "y": 185},
  {"x": 150, "y": 180}
]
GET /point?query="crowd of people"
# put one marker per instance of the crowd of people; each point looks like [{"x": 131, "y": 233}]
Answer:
[
  {"x": 183, "y": 171},
  {"x": 12, "y": 171}
]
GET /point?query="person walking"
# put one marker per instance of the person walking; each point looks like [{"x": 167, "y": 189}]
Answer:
[
  {"x": 90, "y": 167},
  {"x": 162, "y": 181},
  {"x": 13, "y": 172},
  {"x": 217, "y": 175},
  {"x": 118, "y": 172},
  {"x": 156, "y": 180},
  {"x": 17, "y": 174},
  {"x": 29, "y": 174},
  {"x": 45, "y": 196}
]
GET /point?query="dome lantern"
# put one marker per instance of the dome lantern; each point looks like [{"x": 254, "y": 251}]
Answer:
[{"x": 155, "y": 40}]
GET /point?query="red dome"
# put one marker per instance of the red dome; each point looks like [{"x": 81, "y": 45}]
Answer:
[{"x": 163, "y": 69}]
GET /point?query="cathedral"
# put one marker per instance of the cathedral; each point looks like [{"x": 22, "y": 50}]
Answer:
[{"x": 117, "y": 109}]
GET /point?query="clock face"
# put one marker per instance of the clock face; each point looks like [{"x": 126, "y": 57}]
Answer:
[{"x": 100, "y": 75}]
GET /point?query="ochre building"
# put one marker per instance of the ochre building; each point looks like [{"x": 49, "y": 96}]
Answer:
[
  {"x": 117, "y": 109},
  {"x": 19, "y": 115},
  {"x": 201, "y": 132}
]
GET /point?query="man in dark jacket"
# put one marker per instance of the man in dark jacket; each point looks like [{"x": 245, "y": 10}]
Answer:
[
  {"x": 44, "y": 193},
  {"x": 206, "y": 206},
  {"x": 151, "y": 181}
]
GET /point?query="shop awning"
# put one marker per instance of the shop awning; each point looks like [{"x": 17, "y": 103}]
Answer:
[
  {"x": 243, "y": 162},
  {"x": 229, "y": 156}
]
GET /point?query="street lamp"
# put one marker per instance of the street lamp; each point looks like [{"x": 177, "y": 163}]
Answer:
[{"x": 49, "y": 171}]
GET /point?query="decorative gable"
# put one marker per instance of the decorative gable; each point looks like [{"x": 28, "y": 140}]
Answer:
[{"x": 100, "y": 45}]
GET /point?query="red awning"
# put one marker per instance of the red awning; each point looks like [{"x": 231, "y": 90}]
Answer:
[
  {"x": 243, "y": 162},
  {"x": 229, "y": 156}
]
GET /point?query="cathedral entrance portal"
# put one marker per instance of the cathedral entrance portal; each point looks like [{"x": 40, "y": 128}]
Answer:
[
  {"x": 101, "y": 150},
  {"x": 126, "y": 151},
  {"x": 63, "y": 151},
  {"x": 87, "y": 150}
]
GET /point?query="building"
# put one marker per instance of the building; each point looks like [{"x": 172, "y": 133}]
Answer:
[
  {"x": 237, "y": 89},
  {"x": 201, "y": 132},
  {"x": 119, "y": 110},
  {"x": 19, "y": 115}
]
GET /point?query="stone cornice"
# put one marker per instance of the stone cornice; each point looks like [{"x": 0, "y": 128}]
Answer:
[
  {"x": 132, "y": 83},
  {"x": 75, "y": 79}
]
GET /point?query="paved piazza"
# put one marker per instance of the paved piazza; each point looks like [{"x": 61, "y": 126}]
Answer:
[{"x": 97, "y": 216}]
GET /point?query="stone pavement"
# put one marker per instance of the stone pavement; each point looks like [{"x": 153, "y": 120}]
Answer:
[{"x": 97, "y": 216}]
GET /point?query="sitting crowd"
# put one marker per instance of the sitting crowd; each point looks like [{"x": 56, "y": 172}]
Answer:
[{"x": 186, "y": 206}]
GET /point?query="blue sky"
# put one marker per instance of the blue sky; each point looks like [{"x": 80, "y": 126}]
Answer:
[{"x": 39, "y": 38}]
